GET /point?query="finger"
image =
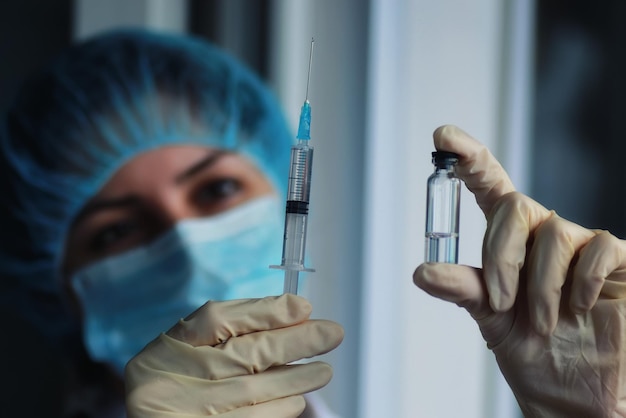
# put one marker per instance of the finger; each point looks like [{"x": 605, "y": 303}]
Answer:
[
  {"x": 246, "y": 354},
  {"x": 243, "y": 391},
  {"x": 199, "y": 397},
  {"x": 276, "y": 383},
  {"x": 478, "y": 168},
  {"x": 216, "y": 322},
  {"x": 556, "y": 243},
  {"x": 291, "y": 407},
  {"x": 600, "y": 257},
  {"x": 509, "y": 228},
  {"x": 454, "y": 283},
  {"x": 464, "y": 286}
]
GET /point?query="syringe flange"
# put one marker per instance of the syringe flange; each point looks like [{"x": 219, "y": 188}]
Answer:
[{"x": 293, "y": 268}]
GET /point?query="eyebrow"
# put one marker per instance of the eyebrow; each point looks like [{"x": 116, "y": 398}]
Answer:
[
  {"x": 135, "y": 201},
  {"x": 98, "y": 205},
  {"x": 201, "y": 165}
]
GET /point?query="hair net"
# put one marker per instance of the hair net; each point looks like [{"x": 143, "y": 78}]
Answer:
[{"x": 100, "y": 104}]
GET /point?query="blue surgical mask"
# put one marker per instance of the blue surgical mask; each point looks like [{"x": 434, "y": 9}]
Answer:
[{"x": 128, "y": 299}]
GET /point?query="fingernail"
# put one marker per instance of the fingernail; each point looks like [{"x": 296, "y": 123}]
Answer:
[
  {"x": 499, "y": 300},
  {"x": 495, "y": 300},
  {"x": 422, "y": 275},
  {"x": 543, "y": 321},
  {"x": 577, "y": 308}
]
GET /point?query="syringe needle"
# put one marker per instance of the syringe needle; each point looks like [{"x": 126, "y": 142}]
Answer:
[
  {"x": 308, "y": 78},
  {"x": 304, "y": 127}
]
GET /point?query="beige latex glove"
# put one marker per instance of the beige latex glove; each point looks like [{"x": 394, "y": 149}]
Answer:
[
  {"x": 229, "y": 359},
  {"x": 550, "y": 299}
]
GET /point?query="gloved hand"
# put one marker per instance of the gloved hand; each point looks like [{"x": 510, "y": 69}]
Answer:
[
  {"x": 229, "y": 359},
  {"x": 550, "y": 299}
]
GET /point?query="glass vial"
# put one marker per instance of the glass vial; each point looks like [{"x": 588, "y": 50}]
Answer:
[{"x": 442, "y": 210}]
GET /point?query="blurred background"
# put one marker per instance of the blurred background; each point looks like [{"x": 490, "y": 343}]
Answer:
[{"x": 539, "y": 82}]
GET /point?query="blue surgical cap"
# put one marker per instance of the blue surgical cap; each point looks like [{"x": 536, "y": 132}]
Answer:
[{"x": 97, "y": 106}]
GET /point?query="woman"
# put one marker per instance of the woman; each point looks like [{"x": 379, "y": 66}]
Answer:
[{"x": 143, "y": 176}]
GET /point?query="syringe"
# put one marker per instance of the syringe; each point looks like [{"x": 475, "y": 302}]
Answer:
[{"x": 297, "y": 211}]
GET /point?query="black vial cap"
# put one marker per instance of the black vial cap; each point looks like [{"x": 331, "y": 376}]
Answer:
[{"x": 445, "y": 158}]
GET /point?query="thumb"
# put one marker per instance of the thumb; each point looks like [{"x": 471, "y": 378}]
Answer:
[{"x": 462, "y": 285}]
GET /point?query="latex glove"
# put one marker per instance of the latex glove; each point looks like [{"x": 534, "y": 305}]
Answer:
[
  {"x": 550, "y": 299},
  {"x": 229, "y": 359}
]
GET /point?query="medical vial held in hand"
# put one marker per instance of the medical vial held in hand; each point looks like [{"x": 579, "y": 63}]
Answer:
[{"x": 442, "y": 210}]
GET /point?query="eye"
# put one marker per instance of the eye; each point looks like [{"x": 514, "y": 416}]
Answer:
[
  {"x": 217, "y": 191},
  {"x": 111, "y": 235}
]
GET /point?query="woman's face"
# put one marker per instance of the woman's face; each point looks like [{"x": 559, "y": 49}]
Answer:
[{"x": 155, "y": 190}]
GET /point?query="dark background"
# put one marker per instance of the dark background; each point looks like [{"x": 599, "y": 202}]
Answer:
[
  {"x": 33, "y": 31},
  {"x": 579, "y": 140}
]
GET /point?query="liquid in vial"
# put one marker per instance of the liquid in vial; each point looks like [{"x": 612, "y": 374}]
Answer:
[{"x": 442, "y": 247}]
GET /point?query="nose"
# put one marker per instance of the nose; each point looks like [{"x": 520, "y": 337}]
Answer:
[{"x": 172, "y": 207}]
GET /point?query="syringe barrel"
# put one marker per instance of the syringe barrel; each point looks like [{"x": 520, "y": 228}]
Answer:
[
  {"x": 300, "y": 173},
  {"x": 295, "y": 239}
]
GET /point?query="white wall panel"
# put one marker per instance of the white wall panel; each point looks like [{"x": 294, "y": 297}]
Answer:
[{"x": 431, "y": 63}]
